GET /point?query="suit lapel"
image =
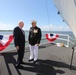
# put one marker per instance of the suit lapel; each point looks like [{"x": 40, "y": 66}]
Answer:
[{"x": 22, "y": 31}]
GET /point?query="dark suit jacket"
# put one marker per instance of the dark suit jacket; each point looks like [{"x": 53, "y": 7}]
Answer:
[{"x": 19, "y": 37}]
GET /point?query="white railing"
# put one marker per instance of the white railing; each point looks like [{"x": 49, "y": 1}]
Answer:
[
  {"x": 64, "y": 35},
  {"x": 67, "y": 40}
]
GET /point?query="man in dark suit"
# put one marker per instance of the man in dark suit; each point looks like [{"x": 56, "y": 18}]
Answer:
[{"x": 19, "y": 41}]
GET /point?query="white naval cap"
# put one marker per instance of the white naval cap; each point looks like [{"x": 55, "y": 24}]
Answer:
[{"x": 33, "y": 21}]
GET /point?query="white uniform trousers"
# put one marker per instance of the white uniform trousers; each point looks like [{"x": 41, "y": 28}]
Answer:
[{"x": 33, "y": 52}]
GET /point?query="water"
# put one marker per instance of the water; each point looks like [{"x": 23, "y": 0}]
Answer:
[{"x": 11, "y": 46}]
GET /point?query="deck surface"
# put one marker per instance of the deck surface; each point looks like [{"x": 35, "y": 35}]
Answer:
[{"x": 52, "y": 60}]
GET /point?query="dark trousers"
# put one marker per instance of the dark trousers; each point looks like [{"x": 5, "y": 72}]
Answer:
[{"x": 20, "y": 54}]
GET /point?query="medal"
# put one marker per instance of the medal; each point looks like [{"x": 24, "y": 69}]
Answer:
[{"x": 35, "y": 31}]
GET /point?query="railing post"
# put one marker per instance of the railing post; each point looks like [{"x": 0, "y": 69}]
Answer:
[
  {"x": 68, "y": 41},
  {"x": 72, "y": 57}
]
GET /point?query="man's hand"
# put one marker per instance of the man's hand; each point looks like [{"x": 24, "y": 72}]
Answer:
[
  {"x": 17, "y": 47},
  {"x": 37, "y": 44}
]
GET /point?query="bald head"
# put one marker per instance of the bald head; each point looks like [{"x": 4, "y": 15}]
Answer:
[{"x": 21, "y": 24}]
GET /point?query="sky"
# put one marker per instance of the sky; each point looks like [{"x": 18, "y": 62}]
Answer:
[{"x": 12, "y": 11}]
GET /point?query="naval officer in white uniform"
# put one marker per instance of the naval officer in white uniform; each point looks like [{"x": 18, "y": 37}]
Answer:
[{"x": 34, "y": 39}]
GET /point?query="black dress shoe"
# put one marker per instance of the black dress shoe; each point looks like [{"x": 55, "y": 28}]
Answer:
[
  {"x": 22, "y": 62},
  {"x": 17, "y": 65},
  {"x": 30, "y": 60},
  {"x": 35, "y": 62}
]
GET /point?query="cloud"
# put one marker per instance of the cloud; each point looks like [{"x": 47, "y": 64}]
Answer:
[
  {"x": 55, "y": 28},
  {"x": 45, "y": 27},
  {"x": 6, "y": 26}
]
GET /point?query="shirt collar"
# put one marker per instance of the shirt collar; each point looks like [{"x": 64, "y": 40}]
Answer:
[{"x": 19, "y": 27}]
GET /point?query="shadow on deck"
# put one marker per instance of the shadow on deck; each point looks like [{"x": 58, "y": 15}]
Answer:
[{"x": 42, "y": 67}]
